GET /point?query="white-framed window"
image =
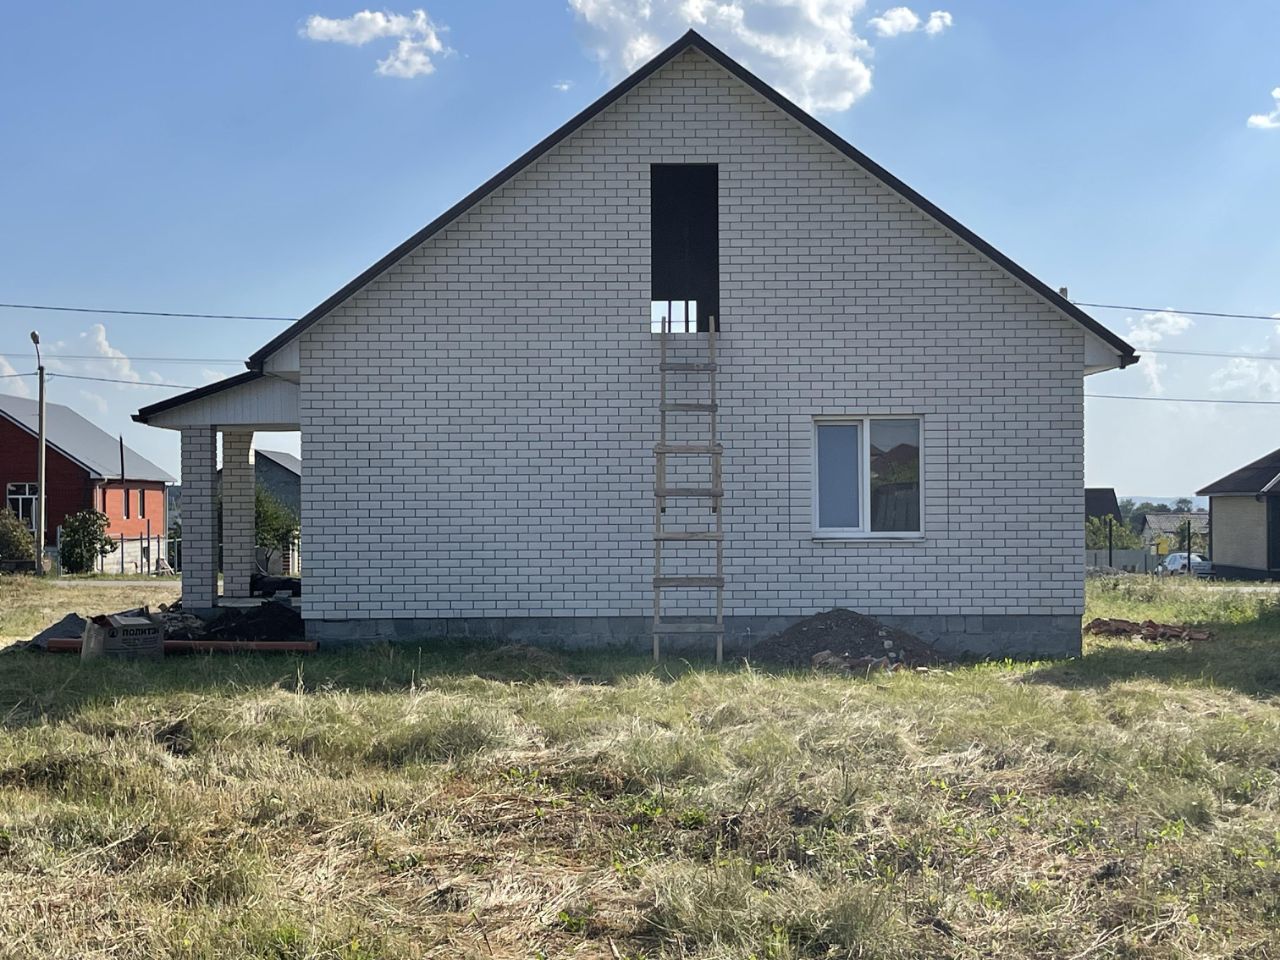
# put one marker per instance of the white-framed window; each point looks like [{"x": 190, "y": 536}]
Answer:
[
  {"x": 21, "y": 499},
  {"x": 683, "y": 314},
  {"x": 867, "y": 477}
]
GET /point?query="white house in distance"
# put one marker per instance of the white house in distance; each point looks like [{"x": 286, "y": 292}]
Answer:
[{"x": 899, "y": 405}]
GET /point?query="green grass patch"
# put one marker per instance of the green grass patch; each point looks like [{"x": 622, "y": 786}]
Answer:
[{"x": 425, "y": 801}]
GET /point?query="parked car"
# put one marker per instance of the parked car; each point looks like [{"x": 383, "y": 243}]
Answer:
[{"x": 1176, "y": 563}]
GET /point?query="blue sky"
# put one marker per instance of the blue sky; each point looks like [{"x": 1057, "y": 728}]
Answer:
[{"x": 241, "y": 157}]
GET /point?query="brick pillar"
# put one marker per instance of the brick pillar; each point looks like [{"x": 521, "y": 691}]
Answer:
[
  {"x": 237, "y": 513},
  {"x": 199, "y": 517}
]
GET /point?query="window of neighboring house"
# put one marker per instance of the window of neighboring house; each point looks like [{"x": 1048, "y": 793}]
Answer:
[
  {"x": 21, "y": 499},
  {"x": 125, "y": 493},
  {"x": 867, "y": 477},
  {"x": 142, "y": 502}
]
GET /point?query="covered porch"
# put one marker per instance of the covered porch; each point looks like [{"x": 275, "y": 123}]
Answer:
[{"x": 230, "y": 411}]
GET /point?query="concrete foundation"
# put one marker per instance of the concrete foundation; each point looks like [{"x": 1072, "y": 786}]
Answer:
[{"x": 978, "y": 635}]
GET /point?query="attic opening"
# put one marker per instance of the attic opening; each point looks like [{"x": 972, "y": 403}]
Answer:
[{"x": 684, "y": 243}]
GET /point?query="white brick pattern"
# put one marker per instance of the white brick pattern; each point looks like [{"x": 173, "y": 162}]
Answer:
[
  {"x": 479, "y": 420},
  {"x": 237, "y": 512},
  {"x": 199, "y": 517}
]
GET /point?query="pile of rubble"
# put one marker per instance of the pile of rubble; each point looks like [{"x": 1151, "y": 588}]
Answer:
[
  {"x": 842, "y": 641},
  {"x": 272, "y": 622},
  {"x": 1148, "y": 630}
]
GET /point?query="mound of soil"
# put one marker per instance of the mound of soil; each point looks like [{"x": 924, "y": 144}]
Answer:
[
  {"x": 269, "y": 621},
  {"x": 516, "y": 660},
  {"x": 847, "y": 636}
]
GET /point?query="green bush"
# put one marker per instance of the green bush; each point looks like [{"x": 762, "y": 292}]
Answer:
[
  {"x": 84, "y": 540},
  {"x": 16, "y": 542}
]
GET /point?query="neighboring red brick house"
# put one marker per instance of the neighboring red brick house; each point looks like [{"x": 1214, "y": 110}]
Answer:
[{"x": 82, "y": 470}]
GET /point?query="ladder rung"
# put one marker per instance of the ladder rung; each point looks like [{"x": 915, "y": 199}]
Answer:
[
  {"x": 660, "y": 582},
  {"x": 689, "y": 535},
  {"x": 689, "y": 407},
  {"x": 713, "y": 493},
  {"x": 687, "y": 367},
  {"x": 709, "y": 449},
  {"x": 688, "y": 628}
]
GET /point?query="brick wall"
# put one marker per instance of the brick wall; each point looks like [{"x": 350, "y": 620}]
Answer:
[
  {"x": 478, "y": 422},
  {"x": 144, "y": 498},
  {"x": 69, "y": 487}
]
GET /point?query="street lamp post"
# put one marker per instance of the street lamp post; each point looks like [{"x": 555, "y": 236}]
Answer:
[{"x": 35, "y": 339}]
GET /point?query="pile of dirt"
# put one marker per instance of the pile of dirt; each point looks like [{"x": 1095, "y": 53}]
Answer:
[
  {"x": 517, "y": 660},
  {"x": 844, "y": 640},
  {"x": 268, "y": 621},
  {"x": 1148, "y": 630}
]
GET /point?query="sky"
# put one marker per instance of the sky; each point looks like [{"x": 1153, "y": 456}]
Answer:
[{"x": 250, "y": 158}]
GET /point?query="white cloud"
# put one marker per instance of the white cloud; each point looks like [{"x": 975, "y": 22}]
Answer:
[
  {"x": 98, "y": 401},
  {"x": 939, "y": 20},
  {"x": 895, "y": 21},
  {"x": 417, "y": 38},
  {"x": 120, "y": 366},
  {"x": 1268, "y": 121},
  {"x": 1260, "y": 379},
  {"x": 904, "y": 20},
  {"x": 1149, "y": 330},
  {"x": 564, "y": 86},
  {"x": 11, "y": 384},
  {"x": 808, "y": 49}
]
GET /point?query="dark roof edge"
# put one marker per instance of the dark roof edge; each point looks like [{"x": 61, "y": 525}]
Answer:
[
  {"x": 143, "y": 415},
  {"x": 693, "y": 39}
]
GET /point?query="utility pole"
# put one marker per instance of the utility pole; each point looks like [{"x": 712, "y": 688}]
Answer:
[{"x": 40, "y": 501}]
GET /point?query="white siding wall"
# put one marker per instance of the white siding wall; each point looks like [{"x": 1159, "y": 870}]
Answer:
[{"x": 478, "y": 421}]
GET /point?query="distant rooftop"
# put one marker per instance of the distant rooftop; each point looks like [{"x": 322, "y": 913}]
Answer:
[
  {"x": 1255, "y": 477},
  {"x": 75, "y": 437}
]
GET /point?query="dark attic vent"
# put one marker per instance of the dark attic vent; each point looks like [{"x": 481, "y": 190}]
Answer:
[{"x": 684, "y": 234}]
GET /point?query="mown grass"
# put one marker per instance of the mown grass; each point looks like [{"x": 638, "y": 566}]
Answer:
[
  {"x": 29, "y": 604},
  {"x": 406, "y": 802}
]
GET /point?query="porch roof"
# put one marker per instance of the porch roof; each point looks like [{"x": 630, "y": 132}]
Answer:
[{"x": 252, "y": 400}]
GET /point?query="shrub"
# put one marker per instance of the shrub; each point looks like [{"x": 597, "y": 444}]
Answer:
[
  {"x": 84, "y": 540},
  {"x": 16, "y": 542}
]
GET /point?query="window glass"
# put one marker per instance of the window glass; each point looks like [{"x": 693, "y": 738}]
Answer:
[
  {"x": 839, "y": 457},
  {"x": 895, "y": 475}
]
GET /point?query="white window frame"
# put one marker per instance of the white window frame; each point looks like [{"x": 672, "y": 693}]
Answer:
[
  {"x": 863, "y": 532},
  {"x": 30, "y": 492}
]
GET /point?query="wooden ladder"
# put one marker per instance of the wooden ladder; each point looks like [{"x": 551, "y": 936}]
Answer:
[{"x": 713, "y": 492}]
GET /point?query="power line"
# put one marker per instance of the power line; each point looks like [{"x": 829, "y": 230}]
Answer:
[
  {"x": 1213, "y": 353},
  {"x": 131, "y": 358},
  {"x": 143, "y": 313},
  {"x": 1115, "y": 396},
  {"x": 132, "y": 383},
  {"x": 1188, "y": 313}
]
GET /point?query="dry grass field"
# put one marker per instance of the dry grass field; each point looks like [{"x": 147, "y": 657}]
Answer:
[{"x": 406, "y": 802}]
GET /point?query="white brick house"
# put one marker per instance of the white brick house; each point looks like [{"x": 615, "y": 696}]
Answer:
[{"x": 497, "y": 375}]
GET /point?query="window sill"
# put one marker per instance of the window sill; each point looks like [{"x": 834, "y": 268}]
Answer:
[{"x": 866, "y": 538}]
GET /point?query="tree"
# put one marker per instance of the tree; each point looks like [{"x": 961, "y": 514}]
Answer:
[
  {"x": 84, "y": 540},
  {"x": 1122, "y": 538},
  {"x": 1126, "y": 510},
  {"x": 16, "y": 542},
  {"x": 275, "y": 525},
  {"x": 1183, "y": 505}
]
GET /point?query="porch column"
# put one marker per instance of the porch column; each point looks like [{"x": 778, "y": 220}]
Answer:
[
  {"x": 237, "y": 512},
  {"x": 199, "y": 517}
]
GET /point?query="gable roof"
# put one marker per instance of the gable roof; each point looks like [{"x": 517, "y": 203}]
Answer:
[
  {"x": 1101, "y": 502},
  {"x": 692, "y": 40},
  {"x": 286, "y": 460},
  {"x": 1172, "y": 523},
  {"x": 76, "y": 438},
  {"x": 1261, "y": 476}
]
